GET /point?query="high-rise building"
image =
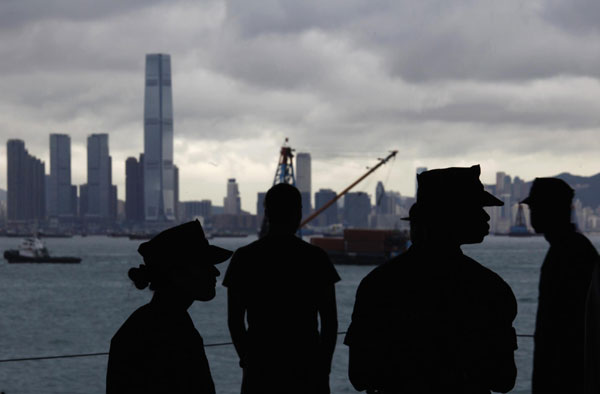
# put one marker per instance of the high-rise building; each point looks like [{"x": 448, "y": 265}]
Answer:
[
  {"x": 159, "y": 176},
  {"x": 517, "y": 189},
  {"x": 330, "y": 215},
  {"x": 357, "y": 207},
  {"x": 26, "y": 184},
  {"x": 232, "y": 203},
  {"x": 419, "y": 170},
  {"x": 61, "y": 194},
  {"x": 134, "y": 189},
  {"x": 99, "y": 192},
  {"x": 384, "y": 204},
  {"x": 196, "y": 209},
  {"x": 500, "y": 178},
  {"x": 176, "y": 190},
  {"x": 303, "y": 181}
]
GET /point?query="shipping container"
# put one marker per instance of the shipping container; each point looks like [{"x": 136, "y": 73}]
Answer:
[{"x": 329, "y": 244}]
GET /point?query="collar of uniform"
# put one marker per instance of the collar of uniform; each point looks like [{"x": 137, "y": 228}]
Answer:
[
  {"x": 438, "y": 249},
  {"x": 558, "y": 236}
]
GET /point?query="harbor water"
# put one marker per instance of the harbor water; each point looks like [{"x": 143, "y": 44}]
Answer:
[{"x": 49, "y": 310}]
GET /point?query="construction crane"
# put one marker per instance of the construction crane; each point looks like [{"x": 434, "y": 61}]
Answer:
[{"x": 346, "y": 190}]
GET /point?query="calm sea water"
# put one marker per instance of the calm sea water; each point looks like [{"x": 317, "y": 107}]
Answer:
[{"x": 67, "y": 309}]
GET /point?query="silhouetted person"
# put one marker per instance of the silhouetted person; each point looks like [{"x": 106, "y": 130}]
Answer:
[
  {"x": 416, "y": 232},
  {"x": 433, "y": 320},
  {"x": 158, "y": 349},
  {"x": 282, "y": 287},
  {"x": 558, "y": 360},
  {"x": 592, "y": 336}
]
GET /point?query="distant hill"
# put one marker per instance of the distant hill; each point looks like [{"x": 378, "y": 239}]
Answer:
[{"x": 587, "y": 189}]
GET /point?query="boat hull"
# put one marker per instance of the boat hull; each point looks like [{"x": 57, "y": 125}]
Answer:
[{"x": 13, "y": 256}]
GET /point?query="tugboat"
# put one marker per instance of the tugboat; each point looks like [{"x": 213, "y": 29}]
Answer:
[{"x": 33, "y": 250}]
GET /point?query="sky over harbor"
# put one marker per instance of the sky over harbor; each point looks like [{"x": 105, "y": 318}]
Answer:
[{"x": 512, "y": 85}]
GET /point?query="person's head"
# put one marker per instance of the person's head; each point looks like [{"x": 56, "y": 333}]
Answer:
[
  {"x": 180, "y": 260},
  {"x": 283, "y": 208},
  {"x": 451, "y": 205},
  {"x": 416, "y": 228},
  {"x": 549, "y": 203}
]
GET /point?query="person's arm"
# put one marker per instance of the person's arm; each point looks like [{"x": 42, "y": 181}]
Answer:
[
  {"x": 360, "y": 340},
  {"x": 329, "y": 324},
  {"x": 502, "y": 368},
  {"x": 236, "y": 313}
]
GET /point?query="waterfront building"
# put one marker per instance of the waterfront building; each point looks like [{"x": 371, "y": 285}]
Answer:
[
  {"x": 26, "y": 184},
  {"x": 500, "y": 178},
  {"x": 176, "y": 190},
  {"x": 357, "y": 207},
  {"x": 134, "y": 189},
  {"x": 304, "y": 181},
  {"x": 99, "y": 194},
  {"x": 61, "y": 201},
  {"x": 232, "y": 203},
  {"x": 196, "y": 210},
  {"x": 330, "y": 215},
  {"x": 159, "y": 173}
]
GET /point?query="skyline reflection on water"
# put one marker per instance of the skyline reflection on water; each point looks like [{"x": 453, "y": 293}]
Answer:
[{"x": 68, "y": 309}]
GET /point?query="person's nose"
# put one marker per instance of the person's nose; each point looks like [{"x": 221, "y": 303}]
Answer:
[
  {"x": 216, "y": 271},
  {"x": 486, "y": 215}
]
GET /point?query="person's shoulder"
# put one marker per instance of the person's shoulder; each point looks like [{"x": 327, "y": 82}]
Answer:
[
  {"x": 388, "y": 270},
  {"x": 482, "y": 273},
  {"x": 309, "y": 248},
  {"x": 583, "y": 243},
  {"x": 488, "y": 279},
  {"x": 249, "y": 248}
]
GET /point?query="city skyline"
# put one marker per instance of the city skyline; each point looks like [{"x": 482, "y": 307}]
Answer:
[
  {"x": 513, "y": 88},
  {"x": 497, "y": 178}
]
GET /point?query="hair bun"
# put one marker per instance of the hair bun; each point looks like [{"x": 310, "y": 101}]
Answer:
[{"x": 139, "y": 276}]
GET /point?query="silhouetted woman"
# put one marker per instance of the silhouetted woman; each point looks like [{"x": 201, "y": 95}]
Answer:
[{"x": 158, "y": 349}]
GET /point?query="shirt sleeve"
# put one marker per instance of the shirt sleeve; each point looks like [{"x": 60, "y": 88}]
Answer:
[
  {"x": 363, "y": 316},
  {"x": 329, "y": 274}
]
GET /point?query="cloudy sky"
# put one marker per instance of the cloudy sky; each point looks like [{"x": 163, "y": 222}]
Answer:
[{"x": 513, "y": 85}]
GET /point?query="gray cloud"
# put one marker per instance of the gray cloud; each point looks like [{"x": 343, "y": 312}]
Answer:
[
  {"x": 576, "y": 16},
  {"x": 502, "y": 83}
]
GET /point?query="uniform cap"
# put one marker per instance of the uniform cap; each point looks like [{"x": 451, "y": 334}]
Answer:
[
  {"x": 455, "y": 186},
  {"x": 549, "y": 191},
  {"x": 185, "y": 244}
]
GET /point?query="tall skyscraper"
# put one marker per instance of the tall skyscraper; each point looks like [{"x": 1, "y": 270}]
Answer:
[
  {"x": 232, "y": 203},
  {"x": 419, "y": 170},
  {"x": 134, "y": 189},
  {"x": 330, "y": 215},
  {"x": 61, "y": 194},
  {"x": 25, "y": 183},
  {"x": 357, "y": 207},
  {"x": 99, "y": 192},
  {"x": 176, "y": 191},
  {"x": 159, "y": 177},
  {"x": 303, "y": 181},
  {"x": 500, "y": 178}
]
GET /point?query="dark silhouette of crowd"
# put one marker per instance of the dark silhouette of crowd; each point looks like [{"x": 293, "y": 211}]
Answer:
[{"x": 430, "y": 320}]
